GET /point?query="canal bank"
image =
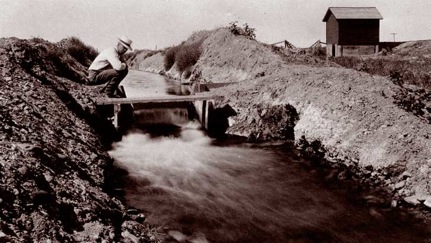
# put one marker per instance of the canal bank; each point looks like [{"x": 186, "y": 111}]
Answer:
[
  {"x": 53, "y": 152},
  {"x": 355, "y": 116}
]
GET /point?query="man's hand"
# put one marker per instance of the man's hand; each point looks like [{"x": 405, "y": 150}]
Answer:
[{"x": 85, "y": 80}]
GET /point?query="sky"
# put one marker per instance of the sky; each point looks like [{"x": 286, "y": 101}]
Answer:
[{"x": 156, "y": 24}]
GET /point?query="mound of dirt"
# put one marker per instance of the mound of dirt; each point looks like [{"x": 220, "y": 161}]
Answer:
[
  {"x": 352, "y": 113},
  {"x": 230, "y": 58},
  {"x": 153, "y": 64},
  {"x": 414, "y": 48},
  {"x": 135, "y": 58},
  {"x": 52, "y": 163}
]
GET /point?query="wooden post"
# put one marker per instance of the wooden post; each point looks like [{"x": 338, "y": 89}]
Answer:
[
  {"x": 117, "y": 108},
  {"x": 204, "y": 114}
]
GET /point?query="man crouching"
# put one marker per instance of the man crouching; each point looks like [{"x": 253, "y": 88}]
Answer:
[{"x": 109, "y": 67}]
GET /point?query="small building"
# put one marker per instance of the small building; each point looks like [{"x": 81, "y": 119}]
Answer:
[{"x": 352, "y": 31}]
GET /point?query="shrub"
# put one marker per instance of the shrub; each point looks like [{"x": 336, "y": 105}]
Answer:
[
  {"x": 318, "y": 51},
  {"x": 188, "y": 55},
  {"x": 170, "y": 57},
  {"x": 184, "y": 55},
  {"x": 83, "y": 53},
  {"x": 414, "y": 71},
  {"x": 415, "y": 101},
  {"x": 348, "y": 62},
  {"x": 246, "y": 31}
]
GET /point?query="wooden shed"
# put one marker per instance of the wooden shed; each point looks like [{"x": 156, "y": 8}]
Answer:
[{"x": 352, "y": 30}]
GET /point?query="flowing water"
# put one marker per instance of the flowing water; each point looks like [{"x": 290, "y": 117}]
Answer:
[{"x": 240, "y": 192}]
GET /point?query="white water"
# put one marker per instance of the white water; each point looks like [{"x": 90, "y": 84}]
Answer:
[
  {"x": 186, "y": 180},
  {"x": 240, "y": 194}
]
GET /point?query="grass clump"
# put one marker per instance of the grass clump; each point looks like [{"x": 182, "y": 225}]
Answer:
[
  {"x": 83, "y": 53},
  {"x": 169, "y": 59},
  {"x": 402, "y": 72},
  {"x": 245, "y": 31},
  {"x": 184, "y": 55},
  {"x": 409, "y": 71},
  {"x": 188, "y": 55}
]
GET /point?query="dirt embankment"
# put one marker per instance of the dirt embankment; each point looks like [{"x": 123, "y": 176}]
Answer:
[
  {"x": 52, "y": 162},
  {"x": 352, "y": 113}
]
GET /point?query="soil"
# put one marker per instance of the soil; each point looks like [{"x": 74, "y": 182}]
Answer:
[
  {"x": 53, "y": 162},
  {"x": 355, "y": 116}
]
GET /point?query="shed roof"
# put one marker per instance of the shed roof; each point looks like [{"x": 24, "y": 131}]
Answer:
[{"x": 353, "y": 13}]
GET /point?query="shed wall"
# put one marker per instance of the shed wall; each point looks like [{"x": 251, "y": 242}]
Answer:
[
  {"x": 358, "y": 31},
  {"x": 332, "y": 30}
]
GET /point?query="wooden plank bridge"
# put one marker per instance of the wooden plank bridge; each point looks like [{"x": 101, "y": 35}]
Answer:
[
  {"x": 202, "y": 102},
  {"x": 157, "y": 99}
]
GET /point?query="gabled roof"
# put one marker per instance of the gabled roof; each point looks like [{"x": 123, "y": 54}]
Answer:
[{"x": 353, "y": 13}]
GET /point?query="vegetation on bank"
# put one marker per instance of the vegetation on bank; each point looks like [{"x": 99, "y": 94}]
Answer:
[
  {"x": 405, "y": 65},
  {"x": 403, "y": 72},
  {"x": 187, "y": 54},
  {"x": 184, "y": 56},
  {"x": 246, "y": 31},
  {"x": 406, "y": 71},
  {"x": 82, "y": 52},
  {"x": 69, "y": 58}
]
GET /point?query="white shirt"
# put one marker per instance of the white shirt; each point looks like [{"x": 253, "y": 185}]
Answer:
[{"x": 106, "y": 57}]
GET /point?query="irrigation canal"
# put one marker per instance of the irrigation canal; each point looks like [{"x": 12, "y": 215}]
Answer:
[{"x": 227, "y": 191}]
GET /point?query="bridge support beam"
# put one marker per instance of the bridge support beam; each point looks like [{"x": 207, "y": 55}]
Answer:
[
  {"x": 117, "y": 109},
  {"x": 202, "y": 108}
]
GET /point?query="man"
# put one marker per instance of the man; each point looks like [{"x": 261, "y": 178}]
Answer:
[{"x": 109, "y": 67}]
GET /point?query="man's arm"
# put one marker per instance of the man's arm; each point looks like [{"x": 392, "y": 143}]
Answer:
[{"x": 115, "y": 61}]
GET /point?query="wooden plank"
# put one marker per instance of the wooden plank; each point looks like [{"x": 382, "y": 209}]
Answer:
[{"x": 157, "y": 99}]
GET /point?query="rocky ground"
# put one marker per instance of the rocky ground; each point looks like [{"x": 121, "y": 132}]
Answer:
[
  {"x": 54, "y": 168},
  {"x": 366, "y": 123}
]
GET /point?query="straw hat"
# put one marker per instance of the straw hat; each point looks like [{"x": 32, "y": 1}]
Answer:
[{"x": 126, "y": 42}]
